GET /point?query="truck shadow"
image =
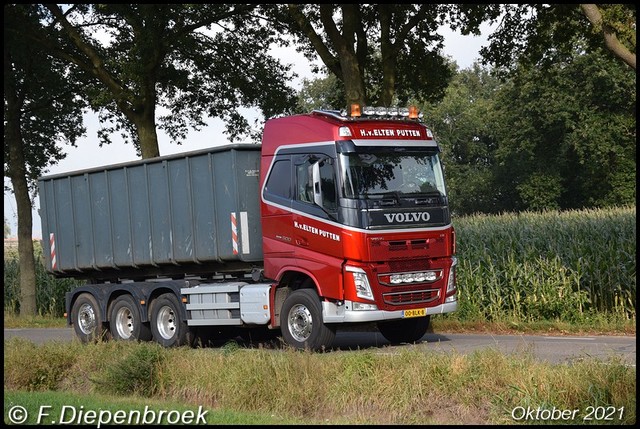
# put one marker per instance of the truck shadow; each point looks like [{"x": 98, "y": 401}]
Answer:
[{"x": 345, "y": 340}]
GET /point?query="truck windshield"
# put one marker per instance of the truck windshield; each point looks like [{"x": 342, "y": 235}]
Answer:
[{"x": 371, "y": 175}]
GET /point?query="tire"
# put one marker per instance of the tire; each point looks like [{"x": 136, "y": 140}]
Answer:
[
  {"x": 167, "y": 326},
  {"x": 125, "y": 320},
  {"x": 87, "y": 320},
  {"x": 301, "y": 322},
  {"x": 404, "y": 330}
]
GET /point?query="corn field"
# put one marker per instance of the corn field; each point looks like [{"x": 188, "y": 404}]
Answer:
[
  {"x": 557, "y": 266},
  {"x": 49, "y": 290},
  {"x": 547, "y": 266}
]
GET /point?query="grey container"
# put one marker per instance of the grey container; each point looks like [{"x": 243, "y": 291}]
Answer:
[{"x": 189, "y": 214}]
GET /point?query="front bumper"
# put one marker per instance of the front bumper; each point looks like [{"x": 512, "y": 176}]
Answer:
[{"x": 333, "y": 313}]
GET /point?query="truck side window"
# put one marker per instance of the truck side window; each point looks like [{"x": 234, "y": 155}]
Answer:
[
  {"x": 279, "y": 181},
  {"x": 304, "y": 182},
  {"x": 328, "y": 184}
]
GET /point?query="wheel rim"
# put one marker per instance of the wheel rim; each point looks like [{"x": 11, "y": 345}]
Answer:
[
  {"x": 300, "y": 323},
  {"x": 166, "y": 323},
  {"x": 124, "y": 323},
  {"x": 86, "y": 319}
]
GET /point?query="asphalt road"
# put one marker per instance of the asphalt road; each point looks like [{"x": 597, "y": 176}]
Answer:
[{"x": 552, "y": 349}]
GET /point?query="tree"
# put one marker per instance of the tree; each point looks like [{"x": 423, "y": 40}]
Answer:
[
  {"x": 320, "y": 93},
  {"x": 567, "y": 135},
  {"x": 543, "y": 34},
  {"x": 167, "y": 63},
  {"x": 7, "y": 229},
  {"x": 619, "y": 19},
  {"x": 41, "y": 108},
  {"x": 382, "y": 54}
]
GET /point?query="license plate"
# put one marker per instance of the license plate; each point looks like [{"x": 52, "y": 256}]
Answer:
[{"x": 418, "y": 312}]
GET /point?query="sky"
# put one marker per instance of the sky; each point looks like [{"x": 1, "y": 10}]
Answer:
[{"x": 464, "y": 50}]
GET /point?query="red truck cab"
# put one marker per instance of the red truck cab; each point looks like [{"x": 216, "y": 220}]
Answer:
[{"x": 356, "y": 225}]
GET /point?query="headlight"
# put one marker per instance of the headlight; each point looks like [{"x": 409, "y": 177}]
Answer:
[
  {"x": 451, "y": 281},
  {"x": 361, "y": 282}
]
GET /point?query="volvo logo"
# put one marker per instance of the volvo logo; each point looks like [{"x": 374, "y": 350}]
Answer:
[{"x": 407, "y": 217}]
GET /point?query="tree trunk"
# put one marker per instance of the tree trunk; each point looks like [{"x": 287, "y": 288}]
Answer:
[
  {"x": 18, "y": 174},
  {"x": 592, "y": 12},
  {"x": 25, "y": 248},
  {"x": 16, "y": 170},
  {"x": 353, "y": 84},
  {"x": 147, "y": 135}
]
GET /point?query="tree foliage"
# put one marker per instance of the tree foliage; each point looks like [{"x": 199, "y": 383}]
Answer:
[
  {"x": 382, "y": 54},
  {"x": 568, "y": 135},
  {"x": 563, "y": 137},
  {"x": 176, "y": 64},
  {"x": 543, "y": 34}
]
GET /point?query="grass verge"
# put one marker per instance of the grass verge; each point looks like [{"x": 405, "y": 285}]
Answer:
[{"x": 408, "y": 386}]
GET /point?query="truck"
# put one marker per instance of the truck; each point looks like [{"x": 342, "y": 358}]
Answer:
[{"x": 335, "y": 220}]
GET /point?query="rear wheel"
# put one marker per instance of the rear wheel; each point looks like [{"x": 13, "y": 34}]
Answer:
[
  {"x": 87, "y": 320},
  {"x": 167, "y": 325},
  {"x": 125, "y": 321},
  {"x": 301, "y": 321},
  {"x": 404, "y": 330}
]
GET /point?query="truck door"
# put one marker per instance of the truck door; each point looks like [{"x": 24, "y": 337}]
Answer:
[
  {"x": 277, "y": 228},
  {"x": 316, "y": 233}
]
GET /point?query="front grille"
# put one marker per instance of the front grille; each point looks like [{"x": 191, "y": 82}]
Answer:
[
  {"x": 398, "y": 266},
  {"x": 411, "y": 297}
]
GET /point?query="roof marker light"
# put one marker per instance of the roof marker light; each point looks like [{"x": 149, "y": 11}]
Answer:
[
  {"x": 381, "y": 110},
  {"x": 344, "y": 132},
  {"x": 355, "y": 110},
  {"x": 413, "y": 112}
]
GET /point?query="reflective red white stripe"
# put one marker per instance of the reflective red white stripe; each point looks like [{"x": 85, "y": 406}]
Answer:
[
  {"x": 244, "y": 226},
  {"x": 234, "y": 233},
  {"x": 52, "y": 245}
]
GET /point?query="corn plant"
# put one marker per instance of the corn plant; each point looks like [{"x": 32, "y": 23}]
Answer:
[
  {"x": 50, "y": 291},
  {"x": 547, "y": 266}
]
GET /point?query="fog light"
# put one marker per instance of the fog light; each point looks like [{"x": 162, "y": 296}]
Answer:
[
  {"x": 417, "y": 277},
  {"x": 359, "y": 306}
]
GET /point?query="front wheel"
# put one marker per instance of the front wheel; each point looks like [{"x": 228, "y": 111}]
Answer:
[
  {"x": 87, "y": 320},
  {"x": 301, "y": 322},
  {"x": 125, "y": 320},
  {"x": 404, "y": 330},
  {"x": 167, "y": 326}
]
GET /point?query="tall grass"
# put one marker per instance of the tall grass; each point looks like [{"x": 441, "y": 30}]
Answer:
[
  {"x": 547, "y": 266},
  {"x": 412, "y": 386}
]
